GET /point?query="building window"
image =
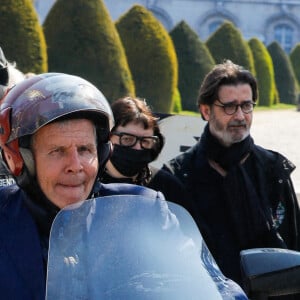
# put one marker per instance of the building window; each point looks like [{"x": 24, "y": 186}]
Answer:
[
  {"x": 284, "y": 36},
  {"x": 213, "y": 26}
]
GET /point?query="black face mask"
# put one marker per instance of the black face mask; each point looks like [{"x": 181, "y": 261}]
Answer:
[{"x": 130, "y": 162}]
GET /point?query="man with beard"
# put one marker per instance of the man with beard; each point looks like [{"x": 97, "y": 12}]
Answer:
[{"x": 242, "y": 195}]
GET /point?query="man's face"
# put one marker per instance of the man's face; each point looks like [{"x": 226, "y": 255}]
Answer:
[
  {"x": 229, "y": 129},
  {"x": 66, "y": 160}
]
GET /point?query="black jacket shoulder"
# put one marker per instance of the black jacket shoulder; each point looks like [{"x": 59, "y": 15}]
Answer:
[
  {"x": 168, "y": 184},
  {"x": 274, "y": 162},
  {"x": 181, "y": 165}
]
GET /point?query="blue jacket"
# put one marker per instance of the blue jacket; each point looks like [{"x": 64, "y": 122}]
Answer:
[
  {"x": 22, "y": 266},
  {"x": 22, "y": 272}
]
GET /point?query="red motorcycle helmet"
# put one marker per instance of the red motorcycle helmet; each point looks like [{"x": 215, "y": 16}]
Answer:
[{"x": 40, "y": 100}]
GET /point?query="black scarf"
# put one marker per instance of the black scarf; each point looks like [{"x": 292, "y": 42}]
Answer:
[{"x": 247, "y": 207}]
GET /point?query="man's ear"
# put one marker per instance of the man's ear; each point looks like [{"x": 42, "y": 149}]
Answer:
[{"x": 205, "y": 111}]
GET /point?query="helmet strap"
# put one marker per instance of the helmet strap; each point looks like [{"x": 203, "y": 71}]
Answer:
[{"x": 28, "y": 160}]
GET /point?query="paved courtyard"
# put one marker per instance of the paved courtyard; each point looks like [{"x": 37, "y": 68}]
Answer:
[{"x": 279, "y": 130}]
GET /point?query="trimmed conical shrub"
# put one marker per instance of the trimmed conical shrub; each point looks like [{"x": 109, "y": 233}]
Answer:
[
  {"x": 295, "y": 60},
  {"x": 82, "y": 40},
  {"x": 264, "y": 72},
  {"x": 227, "y": 43},
  {"x": 151, "y": 57},
  {"x": 194, "y": 62},
  {"x": 177, "y": 107},
  {"x": 22, "y": 37},
  {"x": 284, "y": 74}
]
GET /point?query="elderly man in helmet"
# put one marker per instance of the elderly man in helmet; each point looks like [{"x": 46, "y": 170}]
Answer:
[
  {"x": 54, "y": 135},
  {"x": 54, "y": 138}
]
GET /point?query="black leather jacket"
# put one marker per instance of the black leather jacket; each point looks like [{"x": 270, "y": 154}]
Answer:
[{"x": 205, "y": 200}]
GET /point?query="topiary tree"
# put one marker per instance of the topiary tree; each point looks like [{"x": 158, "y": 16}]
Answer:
[
  {"x": 284, "y": 74},
  {"x": 227, "y": 43},
  {"x": 176, "y": 104},
  {"x": 22, "y": 37},
  {"x": 295, "y": 60},
  {"x": 151, "y": 57},
  {"x": 82, "y": 40},
  {"x": 264, "y": 72},
  {"x": 194, "y": 62}
]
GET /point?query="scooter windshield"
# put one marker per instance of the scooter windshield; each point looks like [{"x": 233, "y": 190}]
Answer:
[{"x": 131, "y": 247}]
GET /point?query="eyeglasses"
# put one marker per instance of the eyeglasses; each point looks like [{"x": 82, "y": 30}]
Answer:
[
  {"x": 231, "y": 108},
  {"x": 130, "y": 140}
]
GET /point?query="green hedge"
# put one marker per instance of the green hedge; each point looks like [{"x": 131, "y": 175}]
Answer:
[
  {"x": 194, "y": 62},
  {"x": 82, "y": 40},
  {"x": 264, "y": 72},
  {"x": 295, "y": 60},
  {"x": 284, "y": 74},
  {"x": 227, "y": 43},
  {"x": 22, "y": 37},
  {"x": 151, "y": 57}
]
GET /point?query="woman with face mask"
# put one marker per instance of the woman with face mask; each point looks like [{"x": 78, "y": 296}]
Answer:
[{"x": 137, "y": 141}]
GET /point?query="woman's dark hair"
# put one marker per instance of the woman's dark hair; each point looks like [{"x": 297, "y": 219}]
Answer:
[
  {"x": 136, "y": 110},
  {"x": 226, "y": 73}
]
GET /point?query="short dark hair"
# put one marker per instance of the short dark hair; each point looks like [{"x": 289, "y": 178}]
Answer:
[
  {"x": 226, "y": 73},
  {"x": 136, "y": 110},
  {"x": 129, "y": 109}
]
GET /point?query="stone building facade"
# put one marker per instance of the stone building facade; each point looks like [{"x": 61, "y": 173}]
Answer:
[{"x": 268, "y": 20}]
